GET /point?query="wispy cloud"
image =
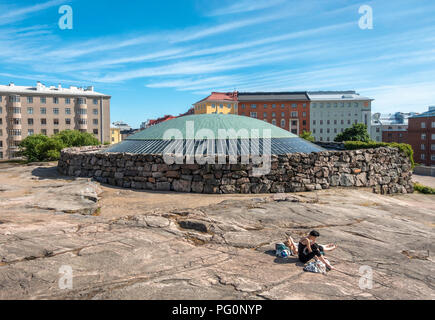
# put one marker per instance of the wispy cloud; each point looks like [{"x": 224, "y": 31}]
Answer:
[
  {"x": 245, "y": 6},
  {"x": 11, "y": 15}
]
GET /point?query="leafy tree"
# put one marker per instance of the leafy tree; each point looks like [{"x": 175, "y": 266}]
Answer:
[
  {"x": 358, "y": 132},
  {"x": 307, "y": 136},
  {"x": 74, "y": 138},
  {"x": 42, "y": 148}
]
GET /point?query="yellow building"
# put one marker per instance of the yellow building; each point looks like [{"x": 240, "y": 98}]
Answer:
[
  {"x": 218, "y": 102},
  {"x": 115, "y": 135}
]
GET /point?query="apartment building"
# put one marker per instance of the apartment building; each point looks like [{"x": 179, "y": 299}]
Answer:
[
  {"x": 288, "y": 110},
  {"x": 421, "y": 136},
  {"x": 25, "y": 111},
  {"x": 217, "y": 103},
  {"x": 115, "y": 135},
  {"x": 331, "y": 112}
]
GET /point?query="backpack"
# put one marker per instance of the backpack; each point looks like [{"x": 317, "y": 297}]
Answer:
[
  {"x": 282, "y": 251},
  {"x": 315, "y": 266}
]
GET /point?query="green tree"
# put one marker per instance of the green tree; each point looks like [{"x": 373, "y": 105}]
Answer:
[
  {"x": 74, "y": 138},
  {"x": 307, "y": 136},
  {"x": 358, "y": 132},
  {"x": 42, "y": 148}
]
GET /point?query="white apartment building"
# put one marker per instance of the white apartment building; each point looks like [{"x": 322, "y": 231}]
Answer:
[
  {"x": 27, "y": 110},
  {"x": 331, "y": 112}
]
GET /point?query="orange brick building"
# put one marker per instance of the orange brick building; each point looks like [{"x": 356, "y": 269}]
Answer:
[{"x": 287, "y": 110}]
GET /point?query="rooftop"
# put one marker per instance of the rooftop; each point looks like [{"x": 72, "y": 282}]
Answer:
[
  {"x": 220, "y": 96},
  {"x": 41, "y": 89},
  {"x": 273, "y": 96},
  {"x": 337, "y": 96},
  {"x": 429, "y": 113}
]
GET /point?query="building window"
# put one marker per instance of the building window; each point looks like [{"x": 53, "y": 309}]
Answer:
[
  {"x": 55, "y": 110},
  {"x": 283, "y": 105},
  {"x": 14, "y": 99},
  {"x": 56, "y": 131},
  {"x": 273, "y": 106},
  {"x": 433, "y": 122},
  {"x": 328, "y": 121},
  {"x": 29, "y": 99},
  {"x": 253, "y": 106},
  {"x": 273, "y": 114},
  {"x": 422, "y": 147},
  {"x": 304, "y": 122},
  {"x": 67, "y": 121},
  {"x": 314, "y": 122},
  {"x": 243, "y": 106},
  {"x": 422, "y": 156},
  {"x": 1, "y": 98},
  {"x": 304, "y": 105},
  {"x": 95, "y": 131},
  {"x": 274, "y": 122},
  {"x": 56, "y": 122},
  {"x": 30, "y": 110},
  {"x": 83, "y": 111},
  {"x": 321, "y": 122},
  {"x": 56, "y": 100},
  {"x": 433, "y": 136},
  {"x": 95, "y": 121},
  {"x": 43, "y": 111},
  {"x": 264, "y": 114},
  {"x": 294, "y": 114},
  {"x": 432, "y": 157},
  {"x": 43, "y": 100},
  {"x": 304, "y": 114},
  {"x": 68, "y": 111},
  {"x": 30, "y": 121},
  {"x": 1, "y": 110},
  {"x": 282, "y": 114},
  {"x": 221, "y": 106},
  {"x": 432, "y": 147},
  {"x": 43, "y": 121},
  {"x": 282, "y": 123},
  {"x": 30, "y": 132},
  {"x": 423, "y": 136},
  {"x": 83, "y": 101},
  {"x": 67, "y": 101},
  {"x": 95, "y": 101},
  {"x": 253, "y": 114},
  {"x": 44, "y": 132},
  {"x": 423, "y": 125}
]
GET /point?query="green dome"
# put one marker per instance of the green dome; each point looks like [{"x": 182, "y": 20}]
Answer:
[
  {"x": 212, "y": 122},
  {"x": 239, "y": 128}
]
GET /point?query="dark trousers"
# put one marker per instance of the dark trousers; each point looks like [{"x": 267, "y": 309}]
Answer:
[{"x": 316, "y": 251}]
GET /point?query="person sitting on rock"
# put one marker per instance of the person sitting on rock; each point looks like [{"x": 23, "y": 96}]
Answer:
[
  {"x": 291, "y": 245},
  {"x": 309, "y": 249}
]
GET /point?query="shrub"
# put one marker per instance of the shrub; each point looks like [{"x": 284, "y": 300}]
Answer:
[
  {"x": 74, "y": 138},
  {"x": 307, "y": 136},
  {"x": 423, "y": 189},
  {"x": 42, "y": 148},
  {"x": 406, "y": 148}
]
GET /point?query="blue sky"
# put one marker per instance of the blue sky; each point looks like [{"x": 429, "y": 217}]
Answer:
[{"x": 159, "y": 57}]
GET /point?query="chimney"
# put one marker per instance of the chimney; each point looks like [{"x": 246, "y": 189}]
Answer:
[
  {"x": 11, "y": 84},
  {"x": 59, "y": 86},
  {"x": 90, "y": 88}
]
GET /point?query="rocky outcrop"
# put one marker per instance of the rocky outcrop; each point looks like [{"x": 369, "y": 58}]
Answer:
[{"x": 385, "y": 170}]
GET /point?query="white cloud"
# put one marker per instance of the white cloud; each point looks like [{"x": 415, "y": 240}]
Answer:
[
  {"x": 11, "y": 15},
  {"x": 245, "y": 6}
]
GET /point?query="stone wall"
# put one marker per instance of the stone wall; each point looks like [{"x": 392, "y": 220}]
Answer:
[{"x": 385, "y": 170}]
